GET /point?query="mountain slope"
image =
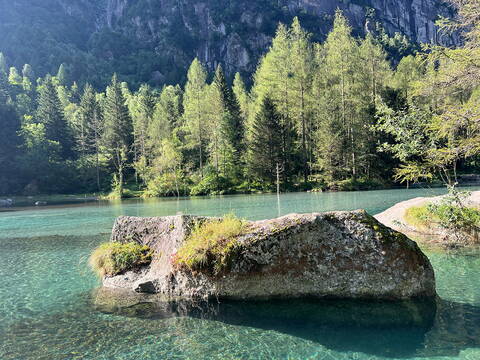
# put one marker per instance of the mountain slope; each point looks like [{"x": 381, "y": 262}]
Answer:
[{"x": 154, "y": 40}]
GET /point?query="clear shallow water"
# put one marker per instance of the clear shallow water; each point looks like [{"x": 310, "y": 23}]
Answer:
[{"x": 46, "y": 309}]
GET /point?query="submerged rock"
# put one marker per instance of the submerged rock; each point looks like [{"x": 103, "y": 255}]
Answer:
[{"x": 336, "y": 254}]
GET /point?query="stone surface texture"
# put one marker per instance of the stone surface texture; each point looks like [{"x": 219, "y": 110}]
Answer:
[{"x": 337, "y": 254}]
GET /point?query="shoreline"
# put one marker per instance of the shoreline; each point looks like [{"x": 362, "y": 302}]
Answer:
[{"x": 394, "y": 217}]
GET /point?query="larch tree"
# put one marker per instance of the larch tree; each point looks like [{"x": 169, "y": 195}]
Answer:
[
  {"x": 194, "y": 111},
  {"x": 50, "y": 113},
  {"x": 302, "y": 71},
  {"x": 142, "y": 108},
  {"x": 273, "y": 77},
  {"x": 89, "y": 128},
  {"x": 337, "y": 113},
  {"x": 242, "y": 95},
  {"x": 3, "y": 64},
  {"x": 9, "y": 140},
  {"x": 118, "y": 130}
]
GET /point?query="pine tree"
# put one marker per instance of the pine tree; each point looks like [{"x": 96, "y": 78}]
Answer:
[
  {"x": 89, "y": 128},
  {"x": 14, "y": 77},
  {"x": 273, "y": 77},
  {"x": 265, "y": 148},
  {"x": 337, "y": 111},
  {"x": 142, "y": 108},
  {"x": 243, "y": 98},
  {"x": 167, "y": 117},
  {"x": 301, "y": 78},
  {"x": 9, "y": 140},
  {"x": 226, "y": 130},
  {"x": 194, "y": 107},
  {"x": 50, "y": 113},
  {"x": 62, "y": 76},
  {"x": 3, "y": 64},
  {"x": 118, "y": 130},
  {"x": 4, "y": 88},
  {"x": 27, "y": 72}
]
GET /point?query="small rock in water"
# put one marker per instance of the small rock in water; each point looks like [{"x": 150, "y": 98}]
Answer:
[
  {"x": 40, "y": 203},
  {"x": 6, "y": 203}
]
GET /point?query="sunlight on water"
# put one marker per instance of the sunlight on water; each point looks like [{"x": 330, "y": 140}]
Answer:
[{"x": 46, "y": 309}]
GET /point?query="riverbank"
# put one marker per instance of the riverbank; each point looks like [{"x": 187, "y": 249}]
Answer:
[{"x": 395, "y": 217}]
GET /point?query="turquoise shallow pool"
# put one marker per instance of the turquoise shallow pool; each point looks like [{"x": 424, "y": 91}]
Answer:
[{"x": 46, "y": 309}]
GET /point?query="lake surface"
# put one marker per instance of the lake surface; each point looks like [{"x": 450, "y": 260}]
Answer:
[{"x": 47, "y": 312}]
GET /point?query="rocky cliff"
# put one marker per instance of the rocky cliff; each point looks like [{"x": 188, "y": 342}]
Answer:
[
  {"x": 339, "y": 254},
  {"x": 235, "y": 33},
  {"x": 154, "y": 40}
]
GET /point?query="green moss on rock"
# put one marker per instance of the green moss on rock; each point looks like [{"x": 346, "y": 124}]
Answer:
[
  {"x": 114, "y": 258},
  {"x": 211, "y": 246}
]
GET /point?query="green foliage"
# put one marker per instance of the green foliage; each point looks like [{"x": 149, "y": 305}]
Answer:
[
  {"x": 356, "y": 184},
  {"x": 265, "y": 153},
  {"x": 164, "y": 185},
  {"x": 211, "y": 246},
  {"x": 451, "y": 213},
  {"x": 212, "y": 184},
  {"x": 51, "y": 113},
  {"x": 331, "y": 115},
  {"x": 114, "y": 258}
]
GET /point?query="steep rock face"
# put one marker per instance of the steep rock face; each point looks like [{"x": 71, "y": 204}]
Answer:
[
  {"x": 236, "y": 33},
  {"x": 155, "y": 40},
  {"x": 340, "y": 254}
]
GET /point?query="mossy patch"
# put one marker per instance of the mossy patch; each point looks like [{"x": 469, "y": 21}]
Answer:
[
  {"x": 418, "y": 216},
  {"x": 114, "y": 258},
  {"x": 211, "y": 246}
]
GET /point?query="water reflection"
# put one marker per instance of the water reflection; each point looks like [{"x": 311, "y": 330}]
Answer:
[{"x": 421, "y": 328}]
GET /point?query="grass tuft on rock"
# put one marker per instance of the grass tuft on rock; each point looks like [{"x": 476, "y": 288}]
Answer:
[
  {"x": 114, "y": 258},
  {"x": 211, "y": 245},
  {"x": 418, "y": 216}
]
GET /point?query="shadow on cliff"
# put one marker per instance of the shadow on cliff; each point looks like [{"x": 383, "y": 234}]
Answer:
[{"x": 422, "y": 328}]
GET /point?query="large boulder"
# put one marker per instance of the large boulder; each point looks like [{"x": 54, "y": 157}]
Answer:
[{"x": 336, "y": 254}]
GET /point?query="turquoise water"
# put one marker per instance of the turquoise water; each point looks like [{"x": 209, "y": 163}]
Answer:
[{"x": 47, "y": 311}]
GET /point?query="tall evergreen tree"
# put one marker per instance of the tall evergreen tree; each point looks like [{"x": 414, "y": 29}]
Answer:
[
  {"x": 3, "y": 64},
  {"x": 273, "y": 77},
  {"x": 337, "y": 112},
  {"x": 62, "y": 75},
  {"x": 50, "y": 113},
  {"x": 301, "y": 79},
  {"x": 27, "y": 72},
  {"x": 118, "y": 130},
  {"x": 194, "y": 107},
  {"x": 226, "y": 126},
  {"x": 265, "y": 148},
  {"x": 167, "y": 117},
  {"x": 9, "y": 141},
  {"x": 142, "y": 108},
  {"x": 14, "y": 77},
  {"x": 243, "y": 98},
  {"x": 89, "y": 128}
]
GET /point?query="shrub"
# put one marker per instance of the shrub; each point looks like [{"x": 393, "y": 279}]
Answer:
[
  {"x": 114, "y": 258},
  {"x": 450, "y": 213},
  {"x": 356, "y": 184},
  {"x": 212, "y": 184},
  {"x": 211, "y": 245},
  {"x": 164, "y": 185}
]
